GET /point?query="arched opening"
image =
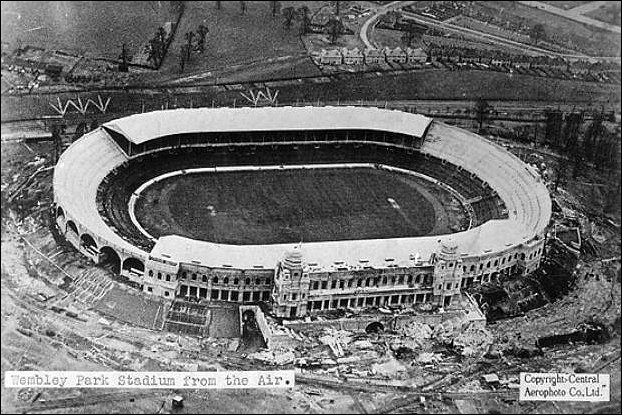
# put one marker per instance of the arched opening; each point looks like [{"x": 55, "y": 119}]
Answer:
[
  {"x": 88, "y": 243},
  {"x": 375, "y": 327},
  {"x": 252, "y": 338},
  {"x": 60, "y": 218},
  {"x": 60, "y": 213},
  {"x": 133, "y": 266},
  {"x": 108, "y": 258},
  {"x": 248, "y": 316},
  {"x": 71, "y": 227}
]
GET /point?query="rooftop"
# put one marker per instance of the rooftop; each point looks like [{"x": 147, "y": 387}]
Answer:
[
  {"x": 140, "y": 128},
  {"x": 491, "y": 237}
]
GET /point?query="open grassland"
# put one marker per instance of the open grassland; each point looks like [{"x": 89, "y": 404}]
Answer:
[
  {"x": 288, "y": 206},
  {"x": 586, "y": 39},
  {"x": 93, "y": 28},
  {"x": 234, "y": 37},
  {"x": 608, "y": 13},
  {"x": 429, "y": 84}
]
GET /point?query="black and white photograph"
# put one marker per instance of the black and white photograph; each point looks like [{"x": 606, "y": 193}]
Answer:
[{"x": 311, "y": 207}]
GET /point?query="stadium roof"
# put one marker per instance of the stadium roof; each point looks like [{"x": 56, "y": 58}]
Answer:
[
  {"x": 491, "y": 238},
  {"x": 140, "y": 128},
  {"x": 89, "y": 160}
]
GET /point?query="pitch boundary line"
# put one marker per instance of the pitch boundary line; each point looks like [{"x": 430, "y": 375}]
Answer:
[{"x": 136, "y": 194}]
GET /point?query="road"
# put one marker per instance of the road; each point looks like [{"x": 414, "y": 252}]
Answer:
[
  {"x": 576, "y": 13},
  {"x": 379, "y": 12},
  {"x": 523, "y": 48}
]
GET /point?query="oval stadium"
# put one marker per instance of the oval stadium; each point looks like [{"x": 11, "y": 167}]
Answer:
[{"x": 304, "y": 209}]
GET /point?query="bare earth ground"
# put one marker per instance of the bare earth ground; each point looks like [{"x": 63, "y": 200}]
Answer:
[{"x": 294, "y": 205}]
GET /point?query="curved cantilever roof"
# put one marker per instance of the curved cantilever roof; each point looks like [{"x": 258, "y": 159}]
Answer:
[
  {"x": 84, "y": 165},
  {"x": 140, "y": 128}
]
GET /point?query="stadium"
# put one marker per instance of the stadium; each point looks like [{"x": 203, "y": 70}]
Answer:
[{"x": 304, "y": 209}]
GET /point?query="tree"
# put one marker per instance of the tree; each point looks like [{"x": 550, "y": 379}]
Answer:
[
  {"x": 154, "y": 52},
  {"x": 537, "y": 32},
  {"x": 288, "y": 13},
  {"x": 218, "y": 5},
  {"x": 482, "y": 111},
  {"x": 189, "y": 36},
  {"x": 201, "y": 33},
  {"x": 407, "y": 38},
  {"x": 335, "y": 28},
  {"x": 276, "y": 6},
  {"x": 303, "y": 14},
  {"x": 243, "y": 7},
  {"x": 161, "y": 36},
  {"x": 58, "y": 129},
  {"x": 182, "y": 58},
  {"x": 123, "y": 67},
  {"x": 553, "y": 127}
]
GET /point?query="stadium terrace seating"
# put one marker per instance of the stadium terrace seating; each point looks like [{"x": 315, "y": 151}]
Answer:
[
  {"x": 506, "y": 174},
  {"x": 77, "y": 181},
  {"x": 116, "y": 190}
]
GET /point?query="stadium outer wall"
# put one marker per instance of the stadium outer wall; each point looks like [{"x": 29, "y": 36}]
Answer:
[{"x": 307, "y": 279}]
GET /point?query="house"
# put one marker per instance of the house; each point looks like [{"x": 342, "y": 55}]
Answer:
[
  {"x": 330, "y": 57},
  {"x": 373, "y": 56},
  {"x": 352, "y": 56},
  {"x": 417, "y": 55},
  {"x": 497, "y": 61},
  {"x": 396, "y": 55},
  {"x": 522, "y": 62}
]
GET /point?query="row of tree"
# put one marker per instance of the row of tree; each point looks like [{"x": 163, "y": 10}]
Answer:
[
  {"x": 195, "y": 42},
  {"x": 579, "y": 143}
]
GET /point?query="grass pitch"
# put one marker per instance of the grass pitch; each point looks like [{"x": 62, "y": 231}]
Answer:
[{"x": 289, "y": 206}]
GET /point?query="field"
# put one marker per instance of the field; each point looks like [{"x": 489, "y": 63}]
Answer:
[
  {"x": 294, "y": 205},
  {"x": 566, "y": 5},
  {"x": 608, "y": 13},
  {"x": 583, "y": 38},
  {"x": 234, "y": 38},
  {"x": 96, "y": 29}
]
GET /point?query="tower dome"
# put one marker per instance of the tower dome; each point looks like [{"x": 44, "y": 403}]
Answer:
[{"x": 293, "y": 258}]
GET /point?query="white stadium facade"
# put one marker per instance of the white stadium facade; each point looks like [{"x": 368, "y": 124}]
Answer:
[{"x": 96, "y": 179}]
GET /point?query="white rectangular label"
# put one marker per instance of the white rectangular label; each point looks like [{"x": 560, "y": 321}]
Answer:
[
  {"x": 589, "y": 387},
  {"x": 151, "y": 380}
]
